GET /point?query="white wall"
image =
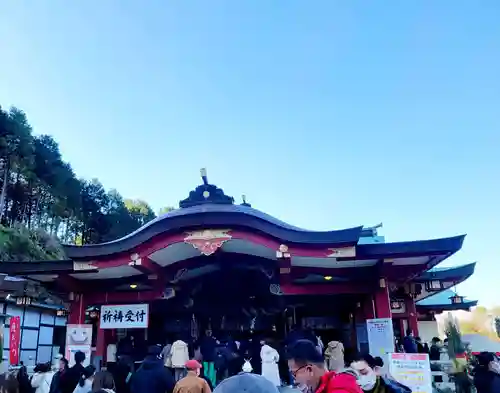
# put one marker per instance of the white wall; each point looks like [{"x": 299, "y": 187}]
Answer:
[{"x": 427, "y": 330}]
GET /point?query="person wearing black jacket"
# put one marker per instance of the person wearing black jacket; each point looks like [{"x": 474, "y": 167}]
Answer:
[
  {"x": 59, "y": 376},
  {"x": 122, "y": 372},
  {"x": 70, "y": 379},
  {"x": 487, "y": 373},
  {"x": 152, "y": 376},
  {"x": 24, "y": 380},
  {"x": 435, "y": 350}
]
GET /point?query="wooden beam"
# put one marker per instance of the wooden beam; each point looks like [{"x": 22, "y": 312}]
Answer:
[
  {"x": 98, "y": 298},
  {"x": 40, "y": 267},
  {"x": 150, "y": 268},
  {"x": 324, "y": 289},
  {"x": 71, "y": 284}
]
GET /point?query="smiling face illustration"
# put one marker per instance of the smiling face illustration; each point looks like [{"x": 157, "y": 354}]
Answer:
[{"x": 79, "y": 336}]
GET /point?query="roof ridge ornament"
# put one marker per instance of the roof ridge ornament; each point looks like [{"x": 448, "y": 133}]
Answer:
[
  {"x": 206, "y": 193},
  {"x": 245, "y": 203}
]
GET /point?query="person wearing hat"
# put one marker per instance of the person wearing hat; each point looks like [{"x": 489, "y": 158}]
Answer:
[
  {"x": 152, "y": 376},
  {"x": 246, "y": 383},
  {"x": 192, "y": 383}
]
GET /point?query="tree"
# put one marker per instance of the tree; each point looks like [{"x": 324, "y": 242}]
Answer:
[
  {"x": 40, "y": 191},
  {"x": 140, "y": 211},
  {"x": 16, "y": 150},
  {"x": 164, "y": 210}
]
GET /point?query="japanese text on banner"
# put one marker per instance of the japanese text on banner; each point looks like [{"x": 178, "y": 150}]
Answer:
[
  {"x": 14, "y": 339},
  {"x": 127, "y": 316}
]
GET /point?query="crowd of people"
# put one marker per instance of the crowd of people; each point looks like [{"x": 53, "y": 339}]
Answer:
[{"x": 310, "y": 367}]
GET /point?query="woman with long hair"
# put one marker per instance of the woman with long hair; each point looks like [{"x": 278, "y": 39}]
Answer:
[{"x": 85, "y": 383}]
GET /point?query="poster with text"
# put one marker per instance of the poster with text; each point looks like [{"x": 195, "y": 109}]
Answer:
[
  {"x": 125, "y": 316},
  {"x": 412, "y": 370},
  {"x": 380, "y": 336},
  {"x": 14, "y": 339}
]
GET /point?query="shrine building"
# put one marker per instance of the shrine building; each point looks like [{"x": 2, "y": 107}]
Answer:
[{"x": 213, "y": 263}]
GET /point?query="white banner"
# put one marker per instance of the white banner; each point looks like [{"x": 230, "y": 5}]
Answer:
[{"x": 125, "y": 316}]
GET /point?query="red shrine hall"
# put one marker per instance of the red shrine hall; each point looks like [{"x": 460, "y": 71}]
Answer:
[{"x": 213, "y": 263}]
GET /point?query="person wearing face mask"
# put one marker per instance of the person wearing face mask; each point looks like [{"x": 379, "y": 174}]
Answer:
[
  {"x": 369, "y": 379},
  {"x": 307, "y": 367},
  {"x": 487, "y": 373}
]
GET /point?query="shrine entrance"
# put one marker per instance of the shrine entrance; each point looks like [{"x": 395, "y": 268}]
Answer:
[{"x": 231, "y": 302}]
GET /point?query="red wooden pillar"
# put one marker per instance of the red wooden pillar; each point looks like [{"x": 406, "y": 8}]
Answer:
[
  {"x": 77, "y": 310},
  {"x": 402, "y": 327},
  {"x": 100, "y": 344},
  {"x": 368, "y": 307},
  {"x": 382, "y": 300},
  {"x": 411, "y": 310}
]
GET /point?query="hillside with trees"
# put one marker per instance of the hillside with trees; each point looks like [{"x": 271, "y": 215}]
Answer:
[{"x": 41, "y": 198}]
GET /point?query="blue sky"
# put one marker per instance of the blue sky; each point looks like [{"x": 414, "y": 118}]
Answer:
[{"x": 326, "y": 114}]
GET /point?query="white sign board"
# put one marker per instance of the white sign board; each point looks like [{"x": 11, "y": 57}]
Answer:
[
  {"x": 78, "y": 338},
  {"x": 125, "y": 316},
  {"x": 412, "y": 370},
  {"x": 380, "y": 336}
]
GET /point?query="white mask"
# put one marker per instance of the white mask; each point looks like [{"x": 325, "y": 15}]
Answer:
[
  {"x": 368, "y": 381},
  {"x": 495, "y": 367},
  {"x": 304, "y": 388}
]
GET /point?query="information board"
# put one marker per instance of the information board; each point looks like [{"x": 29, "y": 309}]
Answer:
[
  {"x": 412, "y": 370},
  {"x": 380, "y": 336}
]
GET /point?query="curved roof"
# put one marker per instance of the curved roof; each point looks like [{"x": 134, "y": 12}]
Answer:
[
  {"x": 442, "y": 301},
  {"x": 218, "y": 215},
  {"x": 208, "y": 206},
  {"x": 458, "y": 274}
]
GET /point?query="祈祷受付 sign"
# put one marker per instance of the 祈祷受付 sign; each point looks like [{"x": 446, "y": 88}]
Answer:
[{"x": 125, "y": 316}]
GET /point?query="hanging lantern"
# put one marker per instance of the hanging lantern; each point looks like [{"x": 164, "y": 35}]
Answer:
[
  {"x": 457, "y": 299},
  {"x": 62, "y": 312},
  {"x": 398, "y": 306},
  {"x": 93, "y": 312}
]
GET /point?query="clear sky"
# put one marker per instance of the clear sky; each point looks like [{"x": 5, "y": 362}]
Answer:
[{"x": 326, "y": 114}]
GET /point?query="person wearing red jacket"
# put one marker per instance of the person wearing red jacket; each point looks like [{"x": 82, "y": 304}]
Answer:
[{"x": 307, "y": 366}]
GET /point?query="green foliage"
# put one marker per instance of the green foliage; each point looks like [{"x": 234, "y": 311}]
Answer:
[
  {"x": 21, "y": 244},
  {"x": 39, "y": 191},
  {"x": 455, "y": 343},
  {"x": 165, "y": 210}
]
